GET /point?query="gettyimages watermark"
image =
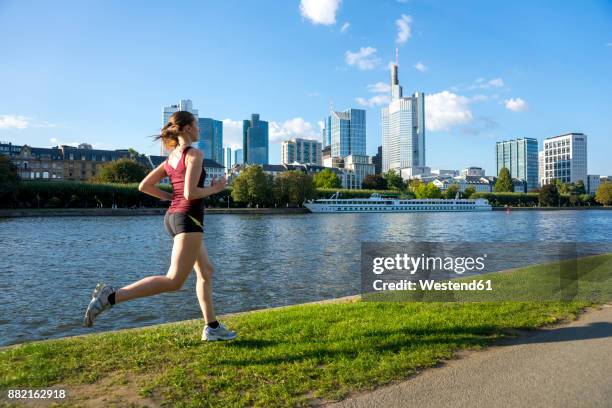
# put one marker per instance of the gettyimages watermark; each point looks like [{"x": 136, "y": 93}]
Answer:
[{"x": 486, "y": 272}]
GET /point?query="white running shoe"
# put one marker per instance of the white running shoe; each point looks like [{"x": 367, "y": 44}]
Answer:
[
  {"x": 99, "y": 303},
  {"x": 220, "y": 333}
]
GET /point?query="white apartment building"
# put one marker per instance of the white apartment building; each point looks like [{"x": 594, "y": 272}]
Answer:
[
  {"x": 303, "y": 151},
  {"x": 565, "y": 158}
]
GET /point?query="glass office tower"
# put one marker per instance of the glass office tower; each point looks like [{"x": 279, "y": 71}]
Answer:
[
  {"x": 348, "y": 133},
  {"x": 520, "y": 156},
  {"x": 211, "y": 139},
  {"x": 255, "y": 140},
  {"x": 403, "y": 128}
]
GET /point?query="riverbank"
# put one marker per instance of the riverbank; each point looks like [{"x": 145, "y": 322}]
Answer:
[
  {"x": 104, "y": 212},
  {"x": 291, "y": 356},
  {"x": 581, "y": 208}
]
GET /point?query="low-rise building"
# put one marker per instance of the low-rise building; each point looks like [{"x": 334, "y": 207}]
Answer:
[
  {"x": 479, "y": 184},
  {"x": 361, "y": 166},
  {"x": 82, "y": 163},
  {"x": 592, "y": 184},
  {"x": 414, "y": 172},
  {"x": 36, "y": 163},
  {"x": 473, "y": 172},
  {"x": 444, "y": 172}
]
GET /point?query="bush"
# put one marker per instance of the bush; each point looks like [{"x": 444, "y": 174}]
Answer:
[
  {"x": 37, "y": 194},
  {"x": 53, "y": 202},
  {"x": 549, "y": 196},
  {"x": 511, "y": 199}
]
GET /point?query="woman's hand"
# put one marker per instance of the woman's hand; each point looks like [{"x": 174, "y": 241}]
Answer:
[{"x": 218, "y": 184}]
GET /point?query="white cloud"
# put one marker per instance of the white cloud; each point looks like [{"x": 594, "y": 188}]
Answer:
[
  {"x": 480, "y": 98},
  {"x": 379, "y": 87},
  {"x": 232, "y": 133},
  {"x": 516, "y": 104},
  {"x": 345, "y": 27},
  {"x": 320, "y": 11},
  {"x": 482, "y": 83},
  {"x": 22, "y": 122},
  {"x": 403, "y": 29},
  {"x": 296, "y": 127},
  {"x": 419, "y": 66},
  {"x": 365, "y": 59},
  {"x": 496, "y": 83},
  {"x": 376, "y": 100},
  {"x": 445, "y": 110},
  {"x": 14, "y": 122}
]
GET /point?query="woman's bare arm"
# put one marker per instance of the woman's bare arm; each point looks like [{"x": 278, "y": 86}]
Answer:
[
  {"x": 149, "y": 184},
  {"x": 193, "y": 161}
]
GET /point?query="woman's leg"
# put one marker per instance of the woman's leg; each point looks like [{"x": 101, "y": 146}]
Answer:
[
  {"x": 185, "y": 251},
  {"x": 204, "y": 271}
]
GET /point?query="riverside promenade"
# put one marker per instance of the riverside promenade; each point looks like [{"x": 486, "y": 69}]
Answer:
[
  {"x": 103, "y": 212},
  {"x": 561, "y": 366}
]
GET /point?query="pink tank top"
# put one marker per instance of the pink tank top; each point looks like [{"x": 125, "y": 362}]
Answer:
[{"x": 177, "y": 178}]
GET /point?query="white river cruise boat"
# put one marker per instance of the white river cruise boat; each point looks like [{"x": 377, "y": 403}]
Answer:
[{"x": 377, "y": 203}]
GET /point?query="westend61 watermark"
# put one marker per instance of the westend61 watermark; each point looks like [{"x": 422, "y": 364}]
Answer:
[{"x": 501, "y": 271}]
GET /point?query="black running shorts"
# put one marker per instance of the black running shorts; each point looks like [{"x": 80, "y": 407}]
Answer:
[{"x": 178, "y": 223}]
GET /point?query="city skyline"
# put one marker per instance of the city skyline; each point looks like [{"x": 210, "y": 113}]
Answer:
[{"x": 476, "y": 92}]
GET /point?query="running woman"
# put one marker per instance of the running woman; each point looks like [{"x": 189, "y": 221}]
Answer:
[{"x": 183, "y": 222}]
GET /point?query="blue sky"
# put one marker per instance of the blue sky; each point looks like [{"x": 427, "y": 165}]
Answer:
[{"x": 100, "y": 71}]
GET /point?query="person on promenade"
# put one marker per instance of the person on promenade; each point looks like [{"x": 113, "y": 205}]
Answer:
[{"x": 183, "y": 222}]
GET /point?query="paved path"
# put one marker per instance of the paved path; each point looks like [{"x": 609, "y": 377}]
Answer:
[{"x": 567, "y": 366}]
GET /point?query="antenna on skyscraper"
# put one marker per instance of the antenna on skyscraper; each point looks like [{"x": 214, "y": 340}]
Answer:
[
  {"x": 331, "y": 106},
  {"x": 397, "y": 57}
]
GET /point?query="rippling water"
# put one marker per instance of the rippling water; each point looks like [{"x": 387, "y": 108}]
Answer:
[{"x": 49, "y": 266}]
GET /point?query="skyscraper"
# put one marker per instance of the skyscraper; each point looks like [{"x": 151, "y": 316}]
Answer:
[
  {"x": 255, "y": 140},
  {"x": 326, "y": 132},
  {"x": 565, "y": 158},
  {"x": 228, "y": 157},
  {"x": 403, "y": 128},
  {"x": 347, "y": 132},
  {"x": 211, "y": 139},
  {"x": 167, "y": 111},
  {"x": 520, "y": 156},
  {"x": 238, "y": 157}
]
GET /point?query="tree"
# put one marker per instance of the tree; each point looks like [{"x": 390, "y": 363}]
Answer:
[
  {"x": 428, "y": 191},
  {"x": 451, "y": 191},
  {"x": 413, "y": 184},
  {"x": 394, "y": 180},
  {"x": 133, "y": 153},
  {"x": 549, "y": 195},
  {"x": 468, "y": 192},
  {"x": 327, "y": 179},
  {"x": 504, "y": 182},
  {"x": 579, "y": 187},
  {"x": 252, "y": 186},
  {"x": 374, "y": 182},
  {"x": 9, "y": 180},
  {"x": 574, "y": 199},
  {"x": 604, "y": 194},
  {"x": 121, "y": 171},
  {"x": 8, "y": 172},
  {"x": 293, "y": 187}
]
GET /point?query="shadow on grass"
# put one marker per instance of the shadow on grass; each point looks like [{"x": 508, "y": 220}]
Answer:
[{"x": 373, "y": 341}]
